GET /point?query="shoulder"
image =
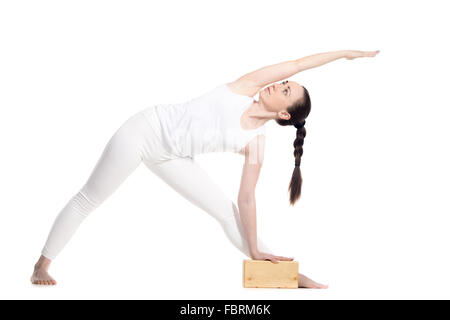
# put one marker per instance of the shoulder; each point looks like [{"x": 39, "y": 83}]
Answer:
[{"x": 243, "y": 87}]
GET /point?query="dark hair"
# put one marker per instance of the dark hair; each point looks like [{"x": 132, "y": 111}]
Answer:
[{"x": 299, "y": 111}]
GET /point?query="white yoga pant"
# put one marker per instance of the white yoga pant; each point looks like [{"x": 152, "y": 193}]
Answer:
[{"x": 139, "y": 140}]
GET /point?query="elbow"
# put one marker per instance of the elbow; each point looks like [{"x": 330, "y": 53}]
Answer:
[{"x": 246, "y": 200}]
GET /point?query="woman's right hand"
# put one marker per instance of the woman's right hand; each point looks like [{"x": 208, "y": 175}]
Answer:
[
  {"x": 271, "y": 257},
  {"x": 352, "y": 54}
]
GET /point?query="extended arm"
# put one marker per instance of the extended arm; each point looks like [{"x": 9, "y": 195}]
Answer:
[{"x": 280, "y": 71}]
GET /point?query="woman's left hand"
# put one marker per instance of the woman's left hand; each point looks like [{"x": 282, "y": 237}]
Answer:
[
  {"x": 267, "y": 256},
  {"x": 352, "y": 54}
]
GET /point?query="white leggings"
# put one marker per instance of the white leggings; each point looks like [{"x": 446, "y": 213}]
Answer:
[{"x": 139, "y": 140}]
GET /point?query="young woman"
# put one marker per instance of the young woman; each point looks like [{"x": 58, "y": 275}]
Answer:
[{"x": 167, "y": 137}]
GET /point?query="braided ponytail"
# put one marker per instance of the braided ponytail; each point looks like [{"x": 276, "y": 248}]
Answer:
[{"x": 295, "y": 186}]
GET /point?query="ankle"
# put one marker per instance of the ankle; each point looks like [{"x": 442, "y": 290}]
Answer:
[{"x": 42, "y": 263}]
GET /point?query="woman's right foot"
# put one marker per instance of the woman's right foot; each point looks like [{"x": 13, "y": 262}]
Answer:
[
  {"x": 305, "y": 282},
  {"x": 41, "y": 276}
]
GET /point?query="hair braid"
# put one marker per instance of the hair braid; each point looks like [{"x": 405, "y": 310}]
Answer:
[{"x": 295, "y": 185}]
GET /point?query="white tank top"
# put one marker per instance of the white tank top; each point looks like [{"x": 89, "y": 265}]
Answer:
[{"x": 207, "y": 123}]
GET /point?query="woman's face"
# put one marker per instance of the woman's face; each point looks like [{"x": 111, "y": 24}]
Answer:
[{"x": 277, "y": 97}]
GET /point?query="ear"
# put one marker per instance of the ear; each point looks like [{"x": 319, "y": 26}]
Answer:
[{"x": 284, "y": 115}]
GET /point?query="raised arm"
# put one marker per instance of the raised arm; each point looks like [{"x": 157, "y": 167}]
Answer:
[{"x": 280, "y": 71}]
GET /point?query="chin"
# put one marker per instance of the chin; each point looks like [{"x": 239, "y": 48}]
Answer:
[{"x": 260, "y": 95}]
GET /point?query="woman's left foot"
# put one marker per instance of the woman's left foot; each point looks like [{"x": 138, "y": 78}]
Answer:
[
  {"x": 305, "y": 282},
  {"x": 41, "y": 276}
]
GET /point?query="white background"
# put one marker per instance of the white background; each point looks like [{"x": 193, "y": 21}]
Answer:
[{"x": 372, "y": 221}]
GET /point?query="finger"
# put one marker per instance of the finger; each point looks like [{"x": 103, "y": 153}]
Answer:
[{"x": 285, "y": 258}]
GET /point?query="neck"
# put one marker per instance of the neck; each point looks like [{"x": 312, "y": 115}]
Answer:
[{"x": 257, "y": 115}]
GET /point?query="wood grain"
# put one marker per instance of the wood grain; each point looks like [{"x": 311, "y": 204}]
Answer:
[{"x": 266, "y": 274}]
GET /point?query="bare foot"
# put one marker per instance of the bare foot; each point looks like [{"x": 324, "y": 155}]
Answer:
[
  {"x": 305, "y": 282},
  {"x": 40, "y": 274}
]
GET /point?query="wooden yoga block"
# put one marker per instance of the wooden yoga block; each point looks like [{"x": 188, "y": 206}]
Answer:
[{"x": 266, "y": 274}]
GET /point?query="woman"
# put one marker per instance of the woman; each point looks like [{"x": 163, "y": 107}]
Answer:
[{"x": 167, "y": 137}]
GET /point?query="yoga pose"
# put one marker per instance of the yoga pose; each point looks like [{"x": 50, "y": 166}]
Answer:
[{"x": 166, "y": 137}]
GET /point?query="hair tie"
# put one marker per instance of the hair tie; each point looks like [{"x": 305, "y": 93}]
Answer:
[
  {"x": 297, "y": 164},
  {"x": 300, "y": 125}
]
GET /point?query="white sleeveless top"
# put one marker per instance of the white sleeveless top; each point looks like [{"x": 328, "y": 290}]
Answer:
[{"x": 207, "y": 123}]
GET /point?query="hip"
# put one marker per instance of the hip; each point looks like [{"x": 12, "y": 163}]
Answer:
[{"x": 155, "y": 149}]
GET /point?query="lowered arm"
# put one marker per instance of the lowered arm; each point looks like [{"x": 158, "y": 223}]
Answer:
[{"x": 254, "y": 153}]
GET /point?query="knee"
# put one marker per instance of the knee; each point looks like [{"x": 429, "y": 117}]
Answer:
[
  {"x": 227, "y": 212},
  {"x": 84, "y": 204},
  {"x": 235, "y": 210}
]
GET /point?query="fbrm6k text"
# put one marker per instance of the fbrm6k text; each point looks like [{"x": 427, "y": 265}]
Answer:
[{"x": 228, "y": 309}]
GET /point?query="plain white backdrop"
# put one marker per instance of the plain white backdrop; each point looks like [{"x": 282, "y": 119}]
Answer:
[{"x": 373, "y": 218}]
